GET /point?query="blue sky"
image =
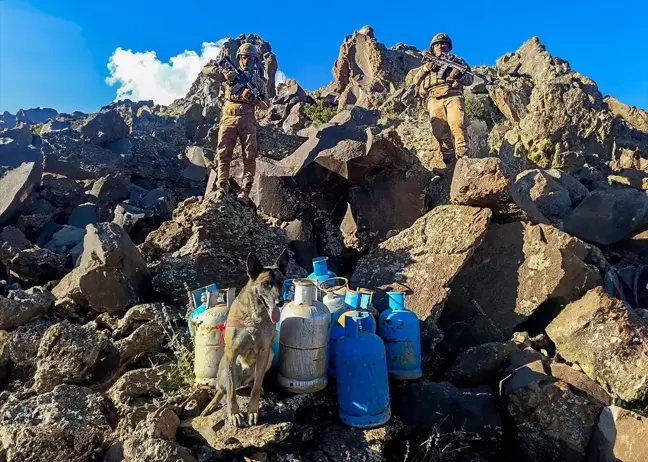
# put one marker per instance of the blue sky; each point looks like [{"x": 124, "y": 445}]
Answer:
[{"x": 54, "y": 53}]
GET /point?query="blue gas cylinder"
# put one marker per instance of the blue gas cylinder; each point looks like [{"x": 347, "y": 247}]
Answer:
[
  {"x": 365, "y": 305},
  {"x": 367, "y": 324},
  {"x": 352, "y": 299},
  {"x": 399, "y": 329},
  {"x": 337, "y": 331},
  {"x": 362, "y": 383},
  {"x": 320, "y": 271},
  {"x": 275, "y": 347}
]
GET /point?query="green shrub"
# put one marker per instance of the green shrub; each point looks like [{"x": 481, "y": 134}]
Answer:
[{"x": 319, "y": 113}]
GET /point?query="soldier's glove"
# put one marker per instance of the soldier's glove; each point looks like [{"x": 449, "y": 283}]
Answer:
[
  {"x": 208, "y": 70},
  {"x": 247, "y": 94},
  {"x": 454, "y": 74},
  {"x": 229, "y": 75}
]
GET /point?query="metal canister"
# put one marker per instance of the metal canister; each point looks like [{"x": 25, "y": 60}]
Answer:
[
  {"x": 362, "y": 383},
  {"x": 399, "y": 328},
  {"x": 303, "y": 341},
  {"x": 208, "y": 348}
]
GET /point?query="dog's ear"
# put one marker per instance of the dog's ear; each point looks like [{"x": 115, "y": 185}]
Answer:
[
  {"x": 254, "y": 266},
  {"x": 283, "y": 261}
]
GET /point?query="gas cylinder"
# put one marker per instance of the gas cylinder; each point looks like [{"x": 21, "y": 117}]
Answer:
[
  {"x": 399, "y": 329},
  {"x": 208, "y": 348},
  {"x": 362, "y": 383},
  {"x": 320, "y": 273},
  {"x": 288, "y": 294},
  {"x": 366, "y": 297},
  {"x": 303, "y": 341},
  {"x": 367, "y": 324},
  {"x": 334, "y": 290}
]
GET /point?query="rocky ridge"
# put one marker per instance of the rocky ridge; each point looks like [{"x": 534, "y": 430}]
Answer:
[{"x": 526, "y": 264}]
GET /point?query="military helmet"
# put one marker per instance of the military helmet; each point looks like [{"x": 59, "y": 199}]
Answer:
[
  {"x": 247, "y": 49},
  {"x": 441, "y": 37}
]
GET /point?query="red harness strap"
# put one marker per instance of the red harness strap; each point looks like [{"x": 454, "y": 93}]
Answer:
[{"x": 221, "y": 327}]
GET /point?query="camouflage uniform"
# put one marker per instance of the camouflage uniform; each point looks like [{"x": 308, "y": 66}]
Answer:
[
  {"x": 238, "y": 121},
  {"x": 446, "y": 103}
]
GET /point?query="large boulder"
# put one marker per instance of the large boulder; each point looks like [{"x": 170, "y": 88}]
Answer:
[
  {"x": 210, "y": 244},
  {"x": 619, "y": 436},
  {"x": 425, "y": 258},
  {"x": 112, "y": 188},
  {"x": 61, "y": 191},
  {"x": 16, "y": 147},
  {"x": 15, "y": 187},
  {"x": 65, "y": 424},
  {"x": 65, "y": 153},
  {"x": 553, "y": 422},
  {"x": 547, "y": 196},
  {"x": 112, "y": 274},
  {"x": 20, "y": 307},
  {"x": 479, "y": 183},
  {"x": 22, "y": 347},
  {"x": 104, "y": 127},
  {"x": 37, "y": 266},
  {"x": 67, "y": 354},
  {"x": 290, "y": 92},
  {"x": 480, "y": 365},
  {"x": 608, "y": 341},
  {"x": 530, "y": 265},
  {"x": 608, "y": 217}
]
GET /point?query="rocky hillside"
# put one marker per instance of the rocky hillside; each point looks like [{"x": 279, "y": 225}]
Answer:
[{"x": 527, "y": 265}]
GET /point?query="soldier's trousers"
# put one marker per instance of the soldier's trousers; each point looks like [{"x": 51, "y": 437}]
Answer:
[
  {"x": 243, "y": 127},
  {"x": 448, "y": 119}
]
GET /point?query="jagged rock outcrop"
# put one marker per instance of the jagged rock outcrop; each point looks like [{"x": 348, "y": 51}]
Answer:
[
  {"x": 366, "y": 71},
  {"x": 550, "y": 111}
]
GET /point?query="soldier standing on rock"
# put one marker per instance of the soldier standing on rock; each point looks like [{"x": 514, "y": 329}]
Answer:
[
  {"x": 238, "y": 121},
  {"x": 445, "y": 98}
]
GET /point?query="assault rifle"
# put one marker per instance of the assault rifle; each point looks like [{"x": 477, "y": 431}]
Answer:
[
  {"x": 242, "y": 81},
  {"x": 445, "y": 63}
]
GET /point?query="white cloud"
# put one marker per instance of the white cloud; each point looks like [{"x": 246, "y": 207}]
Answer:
[
  {"x": 142, "y": 76},
  {"x": 280, "y": 77}
]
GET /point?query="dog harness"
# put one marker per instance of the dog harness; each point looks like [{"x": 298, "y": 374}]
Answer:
[{"x": 222, "y": 326}]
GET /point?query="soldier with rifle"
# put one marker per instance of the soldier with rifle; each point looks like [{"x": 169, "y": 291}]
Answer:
[
  {"x": 245, "y": 90},
  {"x": 441, "y": 80}
]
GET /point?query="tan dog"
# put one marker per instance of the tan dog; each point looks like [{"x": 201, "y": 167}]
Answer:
[{"x": 248, "y": 336}]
